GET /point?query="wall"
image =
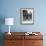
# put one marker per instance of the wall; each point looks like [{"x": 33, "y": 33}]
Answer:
[{"x": 11, "y": 8}]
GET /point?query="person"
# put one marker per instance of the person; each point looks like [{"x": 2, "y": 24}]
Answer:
[
  {"x": 30, "y": 16},
  {"x": 25, "y": 15}
]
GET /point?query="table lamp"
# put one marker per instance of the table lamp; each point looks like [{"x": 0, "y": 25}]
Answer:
[{"x": 9, "y": 21}]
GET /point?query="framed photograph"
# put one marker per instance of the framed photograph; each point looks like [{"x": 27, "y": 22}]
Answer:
[{"x": 27, "y": 15}]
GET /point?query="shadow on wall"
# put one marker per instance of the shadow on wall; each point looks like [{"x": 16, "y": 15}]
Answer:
[
  {"x": 2, "y": 21},
  {"x": 1, "y": 39}
]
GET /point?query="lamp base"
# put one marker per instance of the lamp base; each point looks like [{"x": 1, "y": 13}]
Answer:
[{"x": 9, "y": 33}]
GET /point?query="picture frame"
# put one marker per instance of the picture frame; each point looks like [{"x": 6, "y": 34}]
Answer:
[{"x": 27, "y": 15}]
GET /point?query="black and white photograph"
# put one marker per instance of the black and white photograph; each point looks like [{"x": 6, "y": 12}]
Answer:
[{"x": 27, "y": 15}]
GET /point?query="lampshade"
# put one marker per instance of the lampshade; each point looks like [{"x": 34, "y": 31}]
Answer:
[{"x": 9, "y": 21}]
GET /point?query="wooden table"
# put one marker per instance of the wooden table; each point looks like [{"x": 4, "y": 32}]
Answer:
[{"x": 20, "y": 39}]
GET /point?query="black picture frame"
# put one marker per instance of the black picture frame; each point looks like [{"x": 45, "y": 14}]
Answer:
[{"x": 27, "y": 15}]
